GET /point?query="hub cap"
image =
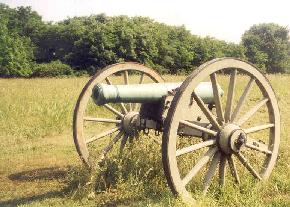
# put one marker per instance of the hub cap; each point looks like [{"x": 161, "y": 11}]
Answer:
[
  {"x": 129, "y": 122},
  {"x": 231, "y": 138}
]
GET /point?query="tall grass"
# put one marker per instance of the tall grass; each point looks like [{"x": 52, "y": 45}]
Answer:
[{"x": 37, "y": 107}]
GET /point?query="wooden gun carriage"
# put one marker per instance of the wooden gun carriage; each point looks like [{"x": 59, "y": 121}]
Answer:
[{"x": 225, "y": 128}]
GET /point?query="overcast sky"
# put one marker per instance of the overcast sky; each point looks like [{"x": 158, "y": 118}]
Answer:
[{"x": 222, "y": 19}]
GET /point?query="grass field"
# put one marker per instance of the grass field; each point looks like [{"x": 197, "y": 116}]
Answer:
[{"x": 39, "y": 165}]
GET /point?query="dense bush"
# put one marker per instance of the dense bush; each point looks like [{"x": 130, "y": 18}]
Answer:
[{"x": 52, "y": 69}]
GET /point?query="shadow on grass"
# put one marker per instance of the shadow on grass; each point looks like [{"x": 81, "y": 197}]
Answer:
[
  {"x": 56, "y": 173},
  {"x": 41, "y": 174},
  {"x": 50, "y": 173}
]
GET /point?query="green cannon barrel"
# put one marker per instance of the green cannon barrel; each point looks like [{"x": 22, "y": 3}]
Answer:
[{"x": 142, "y": 93}]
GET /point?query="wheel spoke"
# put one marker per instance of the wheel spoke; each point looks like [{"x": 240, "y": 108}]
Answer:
[
  {"x": 124, "y": 109},
  {"x": 200, "y": 163},
  {"x": 110, "y": 146},
  {"x": 123, "y": 142},
  {"x": 211, "y": 171},
  {"x": 102, "y": 120},
  {"x": 246, "y": 163},
  {"x": 230, "y": 96},
  {"x": 130, "y": 107},
  {"x": 126, "y": 80},
  {"x": 136, "y": 107},
  {"x": 222, "y": 170},
  {"x": 141, "y": 78},
  {"x": 195, "y": 147},
  {"x": 250, "y": 113},
  {"x": 242, "y": 99},
  {"x": 205, "y": 110},
  {"x": 255, "y": 145},
  {"x": 112, "y": 109},
  {"x": 217, "y": 100},
  {"x": 233, "y": 169},
  {"x": 197, "y": 127},
  {"x": 126, "y": 77},
  {"x": 258, "y": 128},
  {"x": 103, "y": 134},
  {"x": 108, "y": 81}
]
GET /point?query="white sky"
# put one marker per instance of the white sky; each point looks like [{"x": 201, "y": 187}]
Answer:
[{"x": 222, "y": 19}]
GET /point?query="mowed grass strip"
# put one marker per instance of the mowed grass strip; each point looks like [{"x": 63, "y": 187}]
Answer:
[{"x": 40, "y": 167}]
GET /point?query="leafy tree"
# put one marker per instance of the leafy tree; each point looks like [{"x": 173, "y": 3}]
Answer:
[
  {"x": 96, "y": 41},
  {"x": 268, "y": 46},
  {"x": 25, "y": 22},
  {"x": 15, "y": 54},
  {"x": 92, "y": 42},
  {"x": 22, "y": 21}
]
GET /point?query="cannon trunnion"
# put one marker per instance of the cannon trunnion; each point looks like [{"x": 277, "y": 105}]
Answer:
[{"x": 222, "y": 120}]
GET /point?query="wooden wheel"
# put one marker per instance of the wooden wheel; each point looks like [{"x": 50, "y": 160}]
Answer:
[
  {"x": 244, "y": 133},
  {"x": 97, "y": 128}
]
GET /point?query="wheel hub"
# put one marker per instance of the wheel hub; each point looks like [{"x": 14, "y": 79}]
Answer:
[
  {"x": 231, "y": 139},
  {"x": 129, "y": 122}
]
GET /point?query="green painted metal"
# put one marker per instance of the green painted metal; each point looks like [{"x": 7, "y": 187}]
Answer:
[{"x": 142, "y": 93}]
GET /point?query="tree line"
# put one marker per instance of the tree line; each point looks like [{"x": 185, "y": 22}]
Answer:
[{"x": 30, "y": 47}]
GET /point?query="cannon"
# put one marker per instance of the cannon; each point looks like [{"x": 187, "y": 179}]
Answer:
[
  {"x": 221, "y": 123},
  {"x": 144, "y": 93}
]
